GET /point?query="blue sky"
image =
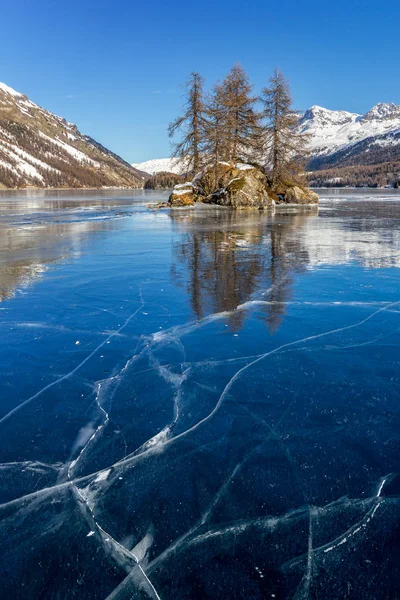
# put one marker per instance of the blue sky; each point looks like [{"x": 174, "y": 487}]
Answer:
[{"x": 115, "y": 68}]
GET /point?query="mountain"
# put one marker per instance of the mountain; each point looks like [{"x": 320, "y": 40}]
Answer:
[
  {"x": 159, "y": 165},
  {"x": 372, "y": 150},
  {"x": 38, "y": 148},
  {"x": 340, "y": 138}
]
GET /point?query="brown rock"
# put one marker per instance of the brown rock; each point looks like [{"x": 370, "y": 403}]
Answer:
[
  {"x": 297, "y": 195},
  {"x": 238, "y": 186},
  {"x": 183, "y": 195}
]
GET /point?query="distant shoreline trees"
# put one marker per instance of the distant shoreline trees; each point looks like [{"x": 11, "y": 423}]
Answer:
[
  {"x": 232, "y": 125},
  {"x": 163, "y": 180},
  {"x": 371, "y": 176}
]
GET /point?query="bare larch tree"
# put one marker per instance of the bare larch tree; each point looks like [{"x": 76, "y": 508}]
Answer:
[
  {"x": 241, "y": 123},
  {"x": 284, "y": 146},
  {"x": 192, "y": 123},
  {"x": 215, "y": 146}
]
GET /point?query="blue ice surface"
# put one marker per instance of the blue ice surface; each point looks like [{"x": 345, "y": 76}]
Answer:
[{"x": 199, "y": 403}]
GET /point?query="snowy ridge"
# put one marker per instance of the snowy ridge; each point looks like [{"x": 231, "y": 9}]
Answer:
[
  {"x": 333, "y": 130},
  {"x": 8, "y": 90},
  {"x": 158, "y": 165}
]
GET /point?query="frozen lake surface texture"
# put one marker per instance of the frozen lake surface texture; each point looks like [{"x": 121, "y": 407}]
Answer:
[{"x": 199, "y": 404}]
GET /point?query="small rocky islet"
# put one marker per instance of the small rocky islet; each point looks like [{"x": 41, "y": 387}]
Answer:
[{"x": 239, "y": 186}]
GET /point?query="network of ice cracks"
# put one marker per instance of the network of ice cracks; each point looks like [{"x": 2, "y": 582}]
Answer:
[{"x": 139, "y": 562}]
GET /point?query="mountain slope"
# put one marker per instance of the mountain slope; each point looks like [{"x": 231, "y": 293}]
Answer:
[
  {"x": 371, "y": 150},
  {"x": 38, "y": 148},
  {"x": 341, "y": 138}
]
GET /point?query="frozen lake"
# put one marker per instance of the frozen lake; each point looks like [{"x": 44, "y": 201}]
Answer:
[{"x": 199, "y": 404}]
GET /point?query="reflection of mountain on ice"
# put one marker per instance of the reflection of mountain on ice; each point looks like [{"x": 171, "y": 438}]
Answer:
[
  {"x": 328, "y": 245},
  {"x": 28, "y": 250}
]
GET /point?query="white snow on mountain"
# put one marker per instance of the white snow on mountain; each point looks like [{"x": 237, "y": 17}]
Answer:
[
  {"x": 382, "y": 111},
  {"x": 157, "y": 165},
  {"x": 332, "y": 130},
  {"x": 329, "y": 130},
  {"x": 8, "y": 90}
]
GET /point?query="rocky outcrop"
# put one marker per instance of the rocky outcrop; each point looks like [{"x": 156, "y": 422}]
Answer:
[
  {"x": 184, "y": 194},
  {"x": 238, "y": 186},
  {"x": 298, "y": 195}
]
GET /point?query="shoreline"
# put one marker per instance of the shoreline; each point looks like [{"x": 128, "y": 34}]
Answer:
[{"x": 71, "y": 189}]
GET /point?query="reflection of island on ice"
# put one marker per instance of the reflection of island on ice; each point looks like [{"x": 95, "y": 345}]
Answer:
[{"x": 228, "y": 258}]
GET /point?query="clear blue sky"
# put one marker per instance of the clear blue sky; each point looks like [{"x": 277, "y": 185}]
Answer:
[{"x": 115, "y": 67}]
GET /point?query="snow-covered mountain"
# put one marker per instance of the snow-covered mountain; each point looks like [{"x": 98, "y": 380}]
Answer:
[
  {"x": 38, "y": 148},
  {"x": 340, "y": 137},
  {"x": 337, "y": 138},
  {"x": 158, "y": 165}
]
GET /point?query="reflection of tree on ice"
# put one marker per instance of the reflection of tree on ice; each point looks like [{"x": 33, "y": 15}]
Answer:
[{"x": 237, "y": 260}]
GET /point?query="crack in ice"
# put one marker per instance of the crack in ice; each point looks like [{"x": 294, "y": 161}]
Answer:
[
  {"x": 75, "y": 369},
  {"x": 238, "y": 373}
]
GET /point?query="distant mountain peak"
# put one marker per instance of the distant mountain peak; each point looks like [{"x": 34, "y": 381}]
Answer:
[
  {"x": 159, "y": 165},
  {"x": 9, "y": 90},
  {"x": 382, "y": 110},
  {"x": 316, "y": 109},
  {"x": 332, "y": 131},
  {"x": 326, "y": 115}
]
